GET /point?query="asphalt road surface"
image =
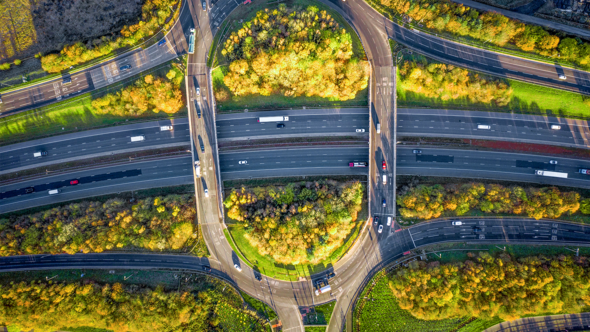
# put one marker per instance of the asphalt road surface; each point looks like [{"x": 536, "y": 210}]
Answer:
[
  {"x": 93, "y": 143},
  {"x": 491, "y": 165},
  {"x": 94, "y": 182},
  {"x": 302, "y": 123},
  {"x": 503, "y": 126},
  {"x": 292, "y": 162}
]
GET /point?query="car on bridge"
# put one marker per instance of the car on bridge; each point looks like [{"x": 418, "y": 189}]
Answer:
[
  {"x": 457, "y": 223},
  {"x": 553, "y": 162},
  {"x": 206, "y": 192},
  {"x": 281, "y": 125},
  {"x": 242, "y": 162},
  {"x": 29, "y": 190},
  {"x": 384, "y": 165},
  {"x": 417, "y": 151},
  {"x": 74, "y": 182},
  {"x": 204, "y": 5},
  {"x": 125, "y": 67},
  {"x": 584, "y": 171},
  {"x": 375, "y": 220},
  {"x": 360, "y": 130},
  {"x": 384, "y": 203},
  {"x": 477, "y": 230},
  {"x": 380, "y": 230},
  {"x": 162, "y": 42},
  {"x": 238, "y": 267},
  {"x": 207, "y": 268}
]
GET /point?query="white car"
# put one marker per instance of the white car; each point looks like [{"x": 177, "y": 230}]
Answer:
[
  {"x": 562, "y": 77},
  {"x": 238, "y": 267},
  {"x": 380, "y": 229},
  {"x": 555, "y": 127},
  {"x": 165, "y": 128},
  {"x": 553, "y": 162},
  {"x": 242, "y": 162},
  {"x": 206, "y": 192},
  {"x": 457, "y": 223},
  {"x": 198, "y": 91},
  {"x": 360, "y": 130}
]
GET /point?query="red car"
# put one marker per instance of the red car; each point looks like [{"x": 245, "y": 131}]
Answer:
[
  {"x": 384, "y": 165},
  {"x": 74, "y": 182}
]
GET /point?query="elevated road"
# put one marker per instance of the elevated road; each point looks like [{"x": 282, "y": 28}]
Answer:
[
  {"x": 302, "y": 123},
  {"x": 503, "y": 126},
  {"x": 93, "y": 143},
  {"x": 95, "y": 182},
  {"x": 491, "y": 165}
]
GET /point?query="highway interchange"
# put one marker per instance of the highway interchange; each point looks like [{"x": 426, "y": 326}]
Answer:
[{"x": 372, "y": 250}]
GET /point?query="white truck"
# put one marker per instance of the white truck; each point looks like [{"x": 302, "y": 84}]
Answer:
[
  {"x": 552, "y": 174},
  {"x": 273, "y": 118},
  {"x": 198, "y": 168},
  {"x": 322, "y": 290}
]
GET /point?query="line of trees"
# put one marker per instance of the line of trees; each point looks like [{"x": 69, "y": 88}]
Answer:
[
  {"x": 447, "y": 82},
  {"x": 49, "y": 306},
  {"x": 457, "y": 19},
  {"x": 293, "y": 53},
  {"x": 427, "y": 202},
  {"x": 155, "y": 223},
  {"x": 149, "y": 93},
  {"x": 299, "y": 223},
  {"x": 487, "y": 287},
  {"x": 153, "y": 16}
]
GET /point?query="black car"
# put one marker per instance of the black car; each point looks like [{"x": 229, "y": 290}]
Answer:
[
  {"x": 207, "y": 268},
  {"x": 29, "y": 190},
  {"x": 257, "y": 276},
  {"x": 280, "y": 125},
  {"x": 477, "y": 230},
  {"x": 376, "y": 220},
  {"x": 331, "y": 275},
  {"x": 67, "y": 80}
]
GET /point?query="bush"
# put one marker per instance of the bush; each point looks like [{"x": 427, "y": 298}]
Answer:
[
  {"x": 17, "y": 62},
  {"x": 150, "y": 93},
  {"x": 5, "y": 66},
  {"x": 300, "y": 223},
  {"x": 447, "y": 82},
  {"x": 293, "y": 53},
  {"x": 488, "y": 287},
  {"x": 160, "y": 223},
  {"x": 457, "y": 19},
  {"x": 427, "y": 202}
]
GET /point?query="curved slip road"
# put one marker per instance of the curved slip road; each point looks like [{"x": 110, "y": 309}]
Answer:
[
  {"x": 93, "y": 143},
  {"x": 95, "y": 182}
]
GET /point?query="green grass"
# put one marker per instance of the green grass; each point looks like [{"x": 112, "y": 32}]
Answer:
[
  {"x": 315, "y": 329},
  {"x": 234, "y": 320},
  {"x": 274, "y": 102},
  {"x": 526, "y": 99},
  {"x": 261, "y": 308},
  {"x": 322, "y": 314},
  {"x": 75, "y": 114}
]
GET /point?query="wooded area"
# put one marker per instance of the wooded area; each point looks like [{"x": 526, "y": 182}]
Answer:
[
  {"x": 49, "y": 306},
  {"x": 154, "y": 15},
  {"x": 147, "y": 93},
  {"x": 448, "y": 82},
  {"x": 487, "y": 287},
  {"x": 457, "y": 19},
  {"x": 293, "y": 53},
  {"x": 300, "y": 223},
  {"x": 427, "y": 202},
  {"x": 155, "y": 223}
]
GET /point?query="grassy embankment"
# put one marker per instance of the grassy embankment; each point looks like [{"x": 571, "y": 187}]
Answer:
[
  {"x": 381, "y": 312},
  {"x": 265, "y": 264},
  {"x": 275, "y": 101},
  {"x": 526, "y": 98},
  {"x": 76, "y": 114}
]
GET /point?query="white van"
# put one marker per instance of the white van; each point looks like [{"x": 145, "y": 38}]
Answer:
[
  {"x": 39, "y": 154},
  {"x": 165, "y": 128},
  {"x": 53, "y": 191},
  {"x": 378, "y": 128},
  {"x": 384, "y": 179},
  {"x": 388, "y": 221},
  {"x": 483, "y": 127},
  {"x": 555, "y": 127},
  {"x": 137, "y": 138}
]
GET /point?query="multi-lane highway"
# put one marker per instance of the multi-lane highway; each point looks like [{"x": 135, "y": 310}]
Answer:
[
  {"x": 96, "y": 181},
  {"x": 93, "y": 143},
  {"x": 491, "y": 165},
  {"x": 503, "y": 126},
  {"x": 302, "y": 123}
]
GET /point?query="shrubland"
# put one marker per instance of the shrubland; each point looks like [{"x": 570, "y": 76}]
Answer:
[
  {"x": 154, "y": 15},
  {"x": 493, "y": 287},
  {"x": 448, "y": 82},
  {"x": 154, "y": 223},
  {"x": 299, "y": 223},
  {"x": 427, "y": 202},
  {"x": 292, "y": 53},
  {"x": 148, "y": 93},
  {"x": 49, "y": 306},
  {"x": 457, "y": 19}
]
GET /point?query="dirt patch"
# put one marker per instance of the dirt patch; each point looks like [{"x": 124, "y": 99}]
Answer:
[{"x": 531, "y": 148}]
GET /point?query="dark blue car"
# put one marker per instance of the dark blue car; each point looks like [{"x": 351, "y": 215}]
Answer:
[
  {"x": 162, "y": 42},
  {"x": 125, "y": 67}
]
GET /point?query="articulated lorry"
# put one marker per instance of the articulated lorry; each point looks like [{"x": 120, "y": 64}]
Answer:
[
  {"x": 552, "y": 174},
  {"x": 273, "y": 118}
]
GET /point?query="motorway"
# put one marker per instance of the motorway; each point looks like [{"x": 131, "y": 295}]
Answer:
[
  {"x": 302, "y": 123},
  {"x": 95, "y": 182},
  {"x": 93, "y": 143}
]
